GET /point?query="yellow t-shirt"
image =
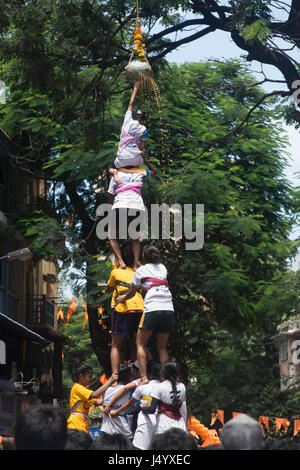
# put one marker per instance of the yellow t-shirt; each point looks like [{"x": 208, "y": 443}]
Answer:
[
  {"x": 124, "y": 275},
  {"x": 81, "y": 394}
]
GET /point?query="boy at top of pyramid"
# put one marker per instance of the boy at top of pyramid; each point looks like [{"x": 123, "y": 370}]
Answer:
[{"x": 132, "y": 141}]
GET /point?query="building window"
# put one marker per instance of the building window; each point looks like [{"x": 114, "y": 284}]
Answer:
[{"x": 283, "y": 351}]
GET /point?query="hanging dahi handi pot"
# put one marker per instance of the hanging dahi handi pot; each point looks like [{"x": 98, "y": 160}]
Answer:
[{"x": 138, "y": 63}]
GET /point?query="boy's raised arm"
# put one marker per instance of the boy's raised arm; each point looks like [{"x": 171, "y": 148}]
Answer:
[{"x": 133, "y": 95}]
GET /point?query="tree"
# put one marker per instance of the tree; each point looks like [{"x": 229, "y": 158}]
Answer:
[{"x": 65, "y": 105}]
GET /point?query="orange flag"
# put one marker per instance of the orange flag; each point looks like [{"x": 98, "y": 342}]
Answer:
[
  {"x": 100, "y": 310},
  {"x": 60, "y": 314},
  {"x": 211, "y": 439},
  {"x": 264, "y": 420},
  {"x": 72, "y": 309},
  {"x": 296, "y": 426},
  {"x": 281, "y": 421},
  {"x": 86, "y": 316},
  {"x": 103, "y": 379}
]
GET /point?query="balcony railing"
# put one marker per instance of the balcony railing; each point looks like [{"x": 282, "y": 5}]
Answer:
[
  {"x": 9, "y": 304},
  {"x": 40, "y": 311}
]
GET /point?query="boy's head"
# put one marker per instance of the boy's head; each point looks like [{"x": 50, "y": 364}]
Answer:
[
  {"x": 83, "y": 375},
  {"x": 112, "y": 442},
  {"x": 124, "y": 374},
  {"x": 140, "y": 116},
  {"x": 78, "y": 440},
  {"x": 41, "y": 427},
  {"x": 127, "y": 254},
  {"x": 151, "y": 254},
  {"x": 173, "y": 439},
  {"x": 153, "y": 369}
]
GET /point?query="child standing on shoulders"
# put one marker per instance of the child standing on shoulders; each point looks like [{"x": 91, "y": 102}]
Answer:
[
  {"x": 81, "y": 398},
  {"x": 133, "y": 138},
  {"x": 125, "y": 318},
  {"x": 158, "y": 316},
  {"x": 127, "y": 206}
]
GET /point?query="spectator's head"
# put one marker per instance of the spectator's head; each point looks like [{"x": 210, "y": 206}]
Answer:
[
  {"x": 124, "y": 374},
  {"x": 281, "y": 444},
  {"x": 41, "y": 427},
  {"x": 112, "y": 442},
  {"x": 78, "y": 440},
  {"x": 242, "y": 433},
  {"x": 151, "y": 254},
  {"x": 173, "y": 439},
  {"x": 83, "y": 374}
]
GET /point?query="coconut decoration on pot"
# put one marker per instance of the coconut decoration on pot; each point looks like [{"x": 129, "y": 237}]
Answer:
[{"x": 138, "y": 63}]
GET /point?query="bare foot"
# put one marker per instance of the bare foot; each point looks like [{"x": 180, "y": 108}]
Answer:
[
  {"x": 117, "y": 177},
  {"x": 122, "y": 265},
  {"x": 136, "y": 265}
]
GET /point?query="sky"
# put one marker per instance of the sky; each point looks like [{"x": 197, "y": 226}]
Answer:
[{"x": 219, "y": 45}]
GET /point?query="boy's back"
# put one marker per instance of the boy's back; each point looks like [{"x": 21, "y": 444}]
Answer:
[{"x": 132, "y": 134}]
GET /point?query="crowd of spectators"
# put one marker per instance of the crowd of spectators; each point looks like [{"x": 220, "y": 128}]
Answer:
[{"x": 44, "y": 427}]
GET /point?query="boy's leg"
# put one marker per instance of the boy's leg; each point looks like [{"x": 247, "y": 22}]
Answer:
[
  {"x": 113, "y": 232},
  {"x": 114, "y": 244},
  {"x": 136, "y": 249},
  {"x": 161, "y": 344},
  {"x": 116, "y": 352},
  {"x": 141, "y": 343}
]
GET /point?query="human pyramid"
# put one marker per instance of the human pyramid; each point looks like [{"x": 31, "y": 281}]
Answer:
[{"x": 145, "y": 397}]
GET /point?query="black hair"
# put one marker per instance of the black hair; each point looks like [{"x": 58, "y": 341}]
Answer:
[
  {"x": 78, "y": 440},
  {"x": 281, "y": 444},
  {"x": 82, "y": 369},
  {"x": 41, "y": 427},
  {"x": 139, "y": 115},
  {"x": 124, "y": 374},
  {"x": 173, "y": 439},
  {"x": 153, "y": 369},
  {"x": 170, "y": 371},
  {"x": 112, "y": 442},
  {"x": 151, "y": 254},
  {"x": 127, "y": 254}
]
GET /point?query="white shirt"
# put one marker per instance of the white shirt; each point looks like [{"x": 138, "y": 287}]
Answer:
[
  {"x": 128, "y": 199},
  {"x": 146, "y": 422},
  {"x": 164, "y": 392},
  {"x": 130, "y": 155},
  {"x": 119, "y": 423},
  {"x": 157, "y": 298}
]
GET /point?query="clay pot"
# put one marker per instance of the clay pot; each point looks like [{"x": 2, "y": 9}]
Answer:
[{"x": 135, "y": 67}]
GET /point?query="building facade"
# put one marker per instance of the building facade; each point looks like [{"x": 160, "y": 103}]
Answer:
[{"x": 30, "y": 348}]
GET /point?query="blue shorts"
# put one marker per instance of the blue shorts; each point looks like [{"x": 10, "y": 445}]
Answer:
[{"x": 125, "y": 323}]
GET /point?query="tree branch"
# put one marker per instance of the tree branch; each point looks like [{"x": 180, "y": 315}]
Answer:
[
  {"x": 171, "y": 46},
  {"x": 174, "y": 29}
]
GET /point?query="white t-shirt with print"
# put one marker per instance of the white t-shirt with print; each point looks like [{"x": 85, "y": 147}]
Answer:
[
  {"x": 164, "y": 392},
  {"x": 146, "y": 422},
  {"x": 119, "y": 423},
  {"x": 131, "y": 155},
  {"x": 128, "y": 199},
  {"x": 157, "y": 298}
]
